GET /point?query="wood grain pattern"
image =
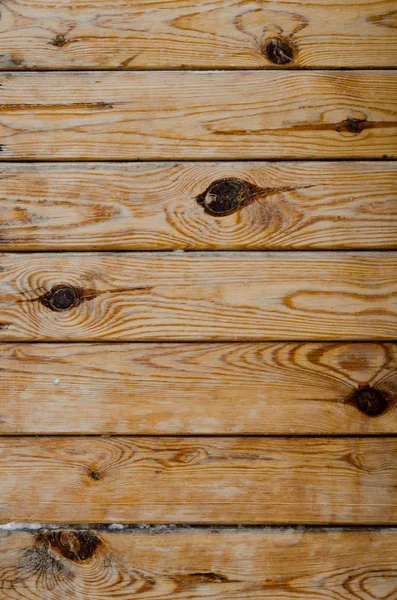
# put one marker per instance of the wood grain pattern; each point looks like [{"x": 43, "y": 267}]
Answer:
[
  {"x": 198, "y": 480},
  {"x": 199, "y": 564},
  {"x": 199, "y": 296},
  {"x": 198, "y": 115},
  {"x": 247, "y": 388},
  {"x": 152, "y": 206},
  {"x": 43, "y": 34}
]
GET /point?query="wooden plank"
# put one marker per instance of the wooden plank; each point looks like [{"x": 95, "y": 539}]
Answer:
[
  {"x": 159, "y": 206},
  {"x": 167, "y": 34},
  {"x": 199, "y": 563},
  {"x": 210, "y": 480},
  {"x": 198, "y": 115},
  {"x": 246, "y": 388},
  {"x": 199, "y": 296}
]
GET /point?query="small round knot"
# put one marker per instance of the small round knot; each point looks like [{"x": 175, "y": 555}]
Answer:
[
  {"x": 59, "y": 41},
  {"x": 71, "y": 544},
  {"x": 95, "y": 475},
  {"x": 278, "y": 51},
  {"x": 369, "y": 401},
  {"x": 352, "y": 125},
  {"x": 61, "y": 297},
  {"x": 224, "y": 196}
]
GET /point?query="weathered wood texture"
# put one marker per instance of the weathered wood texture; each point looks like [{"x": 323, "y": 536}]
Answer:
[
  {"x": 198, "y": 480},
  {"x": 251, "y": 388},
  {"x": 232, "y": 33},
  {"x": 198, "y": 564},
  {"x": 199, "y": 296},
  {"x": 153, "y": 206},
  {"x": 198, "y": 115}
]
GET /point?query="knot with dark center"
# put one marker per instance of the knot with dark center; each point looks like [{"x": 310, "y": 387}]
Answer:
[
  {"x": 369, "y": 400},
  {"x": 225, "y": 196},
  {"x": 61, "y": 297},
  {"x": 278, "y": 51},
  {"x": 71, "y": 544},
  {"x": 352, "y": 125}
]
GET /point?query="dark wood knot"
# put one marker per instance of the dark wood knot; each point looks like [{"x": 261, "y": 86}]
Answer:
[
  {"x": 225, "y": 196},
  {"x": 352, "y": 125},
  {"x": 278, "y": 51},
  {"x": 59, "y": 41},
  {"x": 71, "y": 544},
  {"x": 61, "y": 297},
  {"x": 369, "y": 400}
]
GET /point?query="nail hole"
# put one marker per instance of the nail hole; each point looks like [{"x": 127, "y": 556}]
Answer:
[
  {"x": 279, "y": 51},
  {"x": 224, "y": 196},
  {"x": 369, "y": 401},
  {"x": 95, "y": 475},
  {"x": 61, "y": 297}
]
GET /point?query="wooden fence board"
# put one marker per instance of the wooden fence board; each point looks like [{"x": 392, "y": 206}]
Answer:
[
  {"x": 43, "y": 34},
  {"x": 198, "y": 564},
  {"x": 198, "y": 115},
  {"x": 199, "y": 296},
  {"x": 199, "y": 480},
  {"x": 246, "y": 388},
  {"x": 156, "y": 206}
]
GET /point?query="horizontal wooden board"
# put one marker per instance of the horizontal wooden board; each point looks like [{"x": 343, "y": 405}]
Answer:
[
  {"x": 198, "y": 115},
  {"x": 159, "y": 206},
  {"x": 199, "y": 564},
  {"x": 249, "y": 388},
  {"x": 145, "y": 34},
  {"x": 198, "y": 480},
  {"x": 198, "y": 296}
]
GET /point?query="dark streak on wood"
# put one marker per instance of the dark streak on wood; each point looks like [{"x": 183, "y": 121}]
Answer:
[
  {"x": 224, "y": 197},
  {"x": 350, "y": 125},
  {"x": 60, "y": 106},
  {"x": 63, "y": 297},
  {"x": 388, "y": 19}
]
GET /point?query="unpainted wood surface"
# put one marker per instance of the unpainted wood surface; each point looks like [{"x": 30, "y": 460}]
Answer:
[
  {"x": 249, "y": 388},
  {"x": 199, "y": 296},
  {"x": 233, "y": 33},
  {"x": 198, "y": 115},
  {"x": 211, "y": 480},
  {"x": 199, "y": 564},
  {"x": 153, "y": 206}
]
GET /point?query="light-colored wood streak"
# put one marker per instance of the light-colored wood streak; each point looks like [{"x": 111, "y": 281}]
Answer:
[
  {"x": 210, "y": 480},
  {"x": 199, "y": 296},
  {"x": 198, "y": 115},
  {"x": 169, "y": 34},
  {"x": 199, "y": 564},
  {"x": 152, "y": 206},
  {"x": 146, "y": 388}
]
